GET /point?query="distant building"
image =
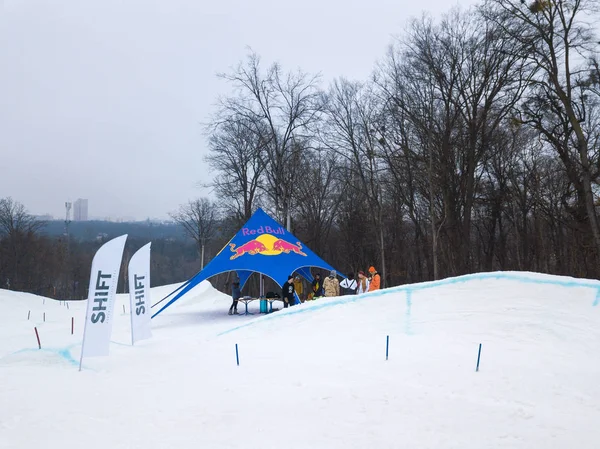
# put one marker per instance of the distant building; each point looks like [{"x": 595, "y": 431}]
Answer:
[{"x": 80, "y": 210}]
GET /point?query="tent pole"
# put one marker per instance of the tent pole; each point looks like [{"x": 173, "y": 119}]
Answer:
[
  {"x": 262, "y": 286},
  {"x": 202, "y": 257}
]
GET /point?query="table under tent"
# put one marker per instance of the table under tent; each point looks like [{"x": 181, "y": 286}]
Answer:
[{"x": 261, "y": 246}]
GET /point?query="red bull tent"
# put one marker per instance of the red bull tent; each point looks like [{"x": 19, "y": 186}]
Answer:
[{"x": 261, "y": 246}]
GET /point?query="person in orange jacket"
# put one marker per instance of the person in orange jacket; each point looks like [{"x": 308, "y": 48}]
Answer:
[{"x": 375, "y": 282}]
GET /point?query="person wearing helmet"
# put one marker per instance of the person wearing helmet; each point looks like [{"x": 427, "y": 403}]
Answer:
[{"x": 375, "y": 282}]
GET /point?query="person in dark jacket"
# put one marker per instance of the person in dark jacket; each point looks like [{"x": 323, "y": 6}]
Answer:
[
  {"x": 317, "y": 287},
  {"x": 287, "y": 292},
  {"x": 236, "y": 294}
]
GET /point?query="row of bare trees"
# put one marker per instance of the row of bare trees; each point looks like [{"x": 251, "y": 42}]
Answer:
[
  {"x": 473, "y": 147},
  {"x": 32, "y": 260}
]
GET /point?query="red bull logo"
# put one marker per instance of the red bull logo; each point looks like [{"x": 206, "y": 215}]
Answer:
[
  {"x": 287, "y": 247},
  {"x": 252, "y": 247},
  {"x": 267, "y": 245}
]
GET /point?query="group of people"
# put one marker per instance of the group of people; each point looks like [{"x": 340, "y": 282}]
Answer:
[
  {"x": 328, "y": 287},
  {"x": 349, "y": 286}
]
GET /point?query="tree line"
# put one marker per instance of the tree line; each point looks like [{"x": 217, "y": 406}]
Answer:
[
  {"x": 58, "y": 266},
  {"x": 474, "y": 146}
]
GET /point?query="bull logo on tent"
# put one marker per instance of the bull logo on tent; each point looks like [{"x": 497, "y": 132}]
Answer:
[{"x": 267, "y": 245}]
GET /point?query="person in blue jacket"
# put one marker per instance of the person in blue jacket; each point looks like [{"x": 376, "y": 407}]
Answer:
[{"x": 236, "y": 294}]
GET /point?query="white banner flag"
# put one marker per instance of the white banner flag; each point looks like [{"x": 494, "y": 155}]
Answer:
[
  {"x": 101, "y": 298},
  {"x": 139, "y": 294}
]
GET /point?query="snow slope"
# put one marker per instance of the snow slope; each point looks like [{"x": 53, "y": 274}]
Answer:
[{"x": 315, "y": 376}]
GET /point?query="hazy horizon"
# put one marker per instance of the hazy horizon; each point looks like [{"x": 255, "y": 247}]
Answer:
[{"x": 105, "y": 100}]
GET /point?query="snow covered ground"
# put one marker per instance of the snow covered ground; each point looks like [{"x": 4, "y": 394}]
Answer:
[{"x": 315, "y": 376}]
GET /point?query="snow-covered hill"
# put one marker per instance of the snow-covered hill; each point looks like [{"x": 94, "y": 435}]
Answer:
[{"x": 315, "y": 376}]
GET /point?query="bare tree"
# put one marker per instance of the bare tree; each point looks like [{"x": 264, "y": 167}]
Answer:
[
  {"x": 317, "y": 198},
  {"x": 447, "y": 87},
  {"x": 353, "y": 113},
  {"x": 15, "y": 219},
  {"x": 237, "y": 154},
  {"x": 279, "y": 108},
  {"x": 17, "y": 227},
  {"x": 556, "y": 38},
  {"x": 199, "y": 218}
]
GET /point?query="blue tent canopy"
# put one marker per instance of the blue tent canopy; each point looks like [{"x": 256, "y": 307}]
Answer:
[{"x": 261, "y": 246}]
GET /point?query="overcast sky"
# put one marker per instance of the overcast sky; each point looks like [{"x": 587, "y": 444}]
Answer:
[{"x": 103, "y": 99}]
